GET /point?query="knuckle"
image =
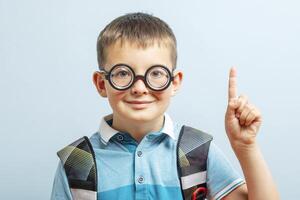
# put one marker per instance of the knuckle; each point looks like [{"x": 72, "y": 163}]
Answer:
[
  {"x": 252, "y": 116},
  {"x": 244, "y": 115},
  {"x": 250, "y": 106},
  {"x": 243, "y": 96}
]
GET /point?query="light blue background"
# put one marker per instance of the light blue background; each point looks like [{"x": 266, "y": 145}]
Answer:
[{"x": 48, "y": 55}]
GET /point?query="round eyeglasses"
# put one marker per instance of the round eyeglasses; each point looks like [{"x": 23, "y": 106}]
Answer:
[{"x": 122, "y": 77}]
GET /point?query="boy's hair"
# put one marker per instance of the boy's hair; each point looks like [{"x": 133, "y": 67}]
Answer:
[{"x": 141, "y": 29}]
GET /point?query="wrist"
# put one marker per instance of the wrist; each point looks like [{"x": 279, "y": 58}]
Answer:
[{"x": 244, "y": 148}]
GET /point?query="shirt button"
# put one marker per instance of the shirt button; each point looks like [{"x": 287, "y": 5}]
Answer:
[
  {"x": 141, "y": 179},
  {"x": 150, "y": 137},
  {"x": 139, "y": 153},
  {"x": 120, "y": 137}
]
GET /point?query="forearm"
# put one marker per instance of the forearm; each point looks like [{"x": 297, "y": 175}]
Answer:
[{"x": 258, "y": 178}]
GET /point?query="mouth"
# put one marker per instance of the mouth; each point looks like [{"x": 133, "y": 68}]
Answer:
[
  {"x": 139, "y": 105},
  {"x": 139, "y": 102}
]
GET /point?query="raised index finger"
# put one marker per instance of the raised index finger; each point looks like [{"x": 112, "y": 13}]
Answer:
[{"x": 232, "y": 86}]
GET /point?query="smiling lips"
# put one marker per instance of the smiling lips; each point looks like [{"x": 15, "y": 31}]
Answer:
[
  {"x": 139, "y": 102},
  {"x": 138, "y": 105}
]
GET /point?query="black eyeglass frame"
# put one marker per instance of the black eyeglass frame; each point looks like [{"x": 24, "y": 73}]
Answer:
[{"x": 107, "y": 75}]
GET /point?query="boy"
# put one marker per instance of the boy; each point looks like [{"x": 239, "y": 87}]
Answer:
[{"x": 135, "y": 147}]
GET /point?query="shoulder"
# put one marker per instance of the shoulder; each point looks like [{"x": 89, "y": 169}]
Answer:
[
  {"x": 222, "y": 177},
  {"x": 60, "y": 187}
]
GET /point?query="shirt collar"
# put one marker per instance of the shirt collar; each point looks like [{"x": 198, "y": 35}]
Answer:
[{"x": 106, "y": 131}]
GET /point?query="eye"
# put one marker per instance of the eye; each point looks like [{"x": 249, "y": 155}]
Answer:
[
  {"x": 156, "y": 74},
  {"x": 121, "y": 74}
]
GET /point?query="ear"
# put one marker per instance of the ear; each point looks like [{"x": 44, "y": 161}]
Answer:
[
  {"x": 177, "y": 82},
  {"x": 99, "y": 82}
]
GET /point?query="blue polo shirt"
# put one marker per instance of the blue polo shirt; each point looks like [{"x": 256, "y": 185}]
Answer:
[{"x": 146, "y": 170}]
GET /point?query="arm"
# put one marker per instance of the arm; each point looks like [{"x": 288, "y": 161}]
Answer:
[
  {"x": 60, "y": 189},
  {"x": 242, "y": 122}
]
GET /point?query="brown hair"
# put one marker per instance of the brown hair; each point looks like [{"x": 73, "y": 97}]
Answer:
[{"x": 139, "y": 28}]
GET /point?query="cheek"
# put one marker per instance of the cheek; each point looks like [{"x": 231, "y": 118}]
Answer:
[
  {"x": 164, "y": 97},
  {"x": 115, "y": 96}
]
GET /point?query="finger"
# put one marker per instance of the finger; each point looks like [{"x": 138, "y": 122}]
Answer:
[
  {"x": 242, "y": 101},
  {"x": 245, "y": 113},
  {"x": 233, "y": 104},
  {"x": 231, "y": 108},
  {"x": 232, "y": 86},
  {"x": 250, "y": 118},
  {"x": 258, "y": 117},
  {"x": 254, "y": 126}
]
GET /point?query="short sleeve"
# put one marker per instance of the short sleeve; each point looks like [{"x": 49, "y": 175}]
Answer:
[
  {"x": 60, "y": 190},
  {"x": 222, "y": 178}
]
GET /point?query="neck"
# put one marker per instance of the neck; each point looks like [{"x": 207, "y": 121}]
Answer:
[{"x": 137, "y": 129}]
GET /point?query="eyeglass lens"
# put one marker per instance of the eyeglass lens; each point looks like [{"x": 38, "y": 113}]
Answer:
[{"x": 157, "y": 77}]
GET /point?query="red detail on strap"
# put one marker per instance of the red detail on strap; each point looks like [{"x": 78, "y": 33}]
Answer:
[{"x": 198, "y": 192}]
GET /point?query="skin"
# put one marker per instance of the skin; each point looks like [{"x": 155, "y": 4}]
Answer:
[
  {"x": 242, "y": 119},
  {"x": 242, "y": 122},
  {"x": 135, "y": 119}
]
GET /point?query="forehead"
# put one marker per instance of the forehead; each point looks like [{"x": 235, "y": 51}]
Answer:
[{"x": 138, "y": 57}]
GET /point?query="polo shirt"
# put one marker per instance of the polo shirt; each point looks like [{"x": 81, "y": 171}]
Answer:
[{"x": 146, "y": 170}]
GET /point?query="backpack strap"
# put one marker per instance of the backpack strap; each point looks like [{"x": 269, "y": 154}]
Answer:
[
  {"x": 78, "y": 160},
  {"x": 192, "y": 152}
]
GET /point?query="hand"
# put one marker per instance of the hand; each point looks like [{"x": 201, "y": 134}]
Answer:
[{"x": 242, "y": 119}]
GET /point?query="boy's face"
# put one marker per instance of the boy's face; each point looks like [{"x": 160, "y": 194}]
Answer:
[{"x": 138, "y": 103}]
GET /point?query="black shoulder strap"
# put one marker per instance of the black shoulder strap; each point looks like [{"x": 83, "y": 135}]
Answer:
[
  {"x": 78, "y": 160},
  {"x": 192, "y": 152}
]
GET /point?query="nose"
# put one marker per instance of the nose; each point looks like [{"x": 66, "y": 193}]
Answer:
[{"x": 139, "y": 87}]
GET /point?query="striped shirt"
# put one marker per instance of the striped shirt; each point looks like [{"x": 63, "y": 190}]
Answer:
[{"x": 146, "y": 170}]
